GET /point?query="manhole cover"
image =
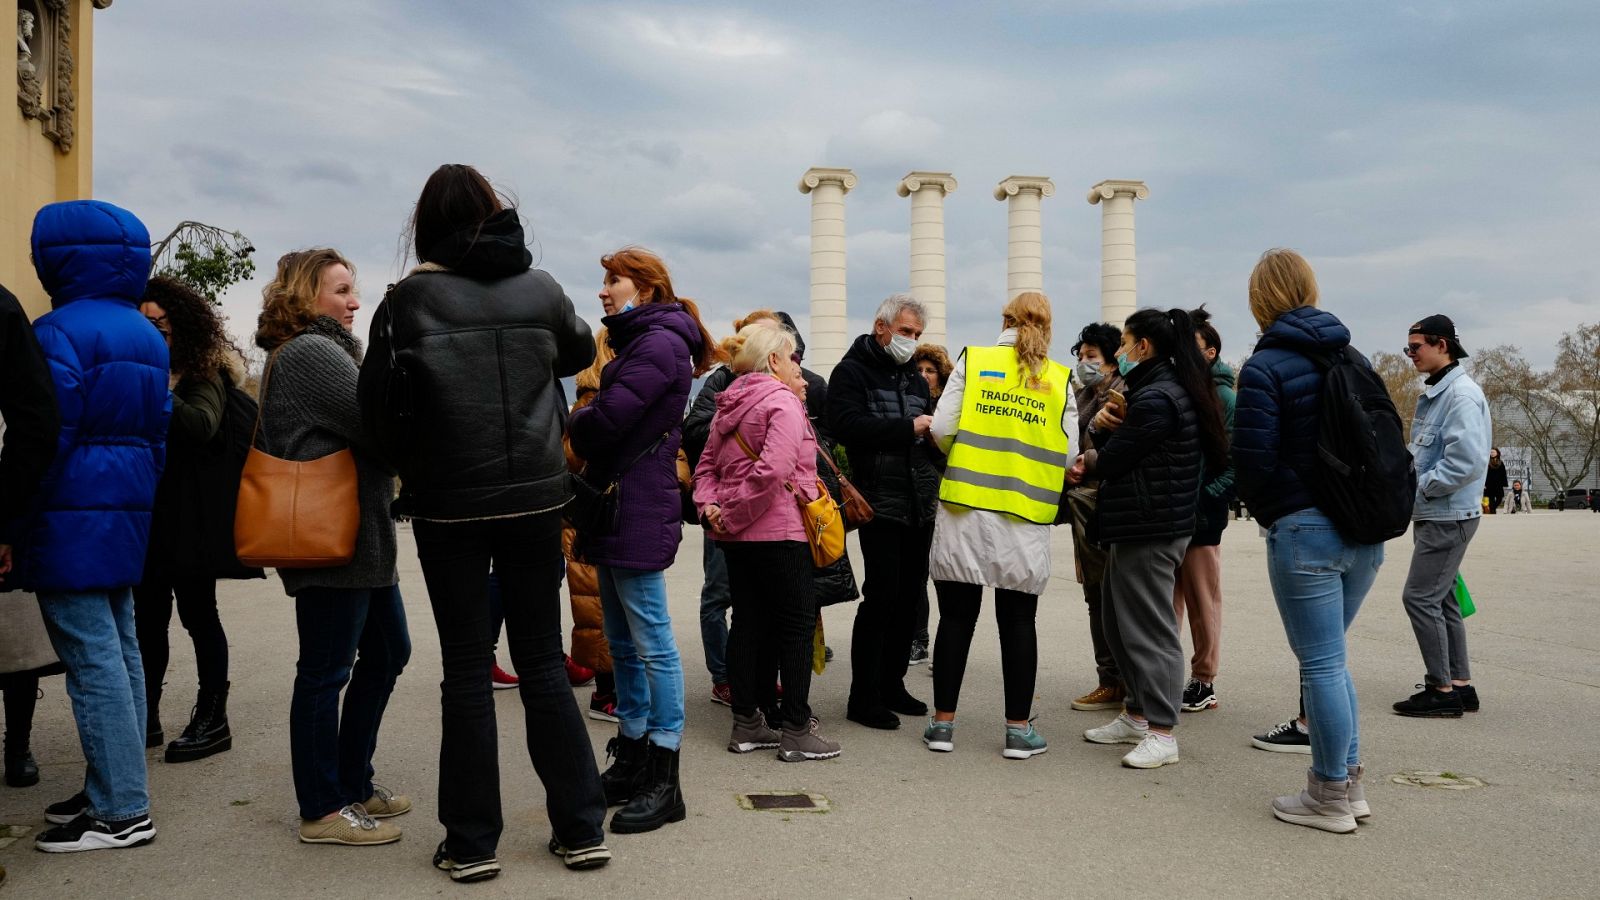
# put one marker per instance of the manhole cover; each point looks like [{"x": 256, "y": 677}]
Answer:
[
  {"x": 1449, "y": 781},
  {"x": 784, "y": 801}
]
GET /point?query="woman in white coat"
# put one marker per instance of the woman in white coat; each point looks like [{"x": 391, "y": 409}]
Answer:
[{"x": 1004, "y": 422}]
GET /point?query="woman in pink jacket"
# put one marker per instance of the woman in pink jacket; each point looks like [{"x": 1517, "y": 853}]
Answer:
[{"x": 761, "y": 454}]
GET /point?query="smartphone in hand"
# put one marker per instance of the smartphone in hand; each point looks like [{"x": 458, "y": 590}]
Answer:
[{"x": 1117, "y": 402}]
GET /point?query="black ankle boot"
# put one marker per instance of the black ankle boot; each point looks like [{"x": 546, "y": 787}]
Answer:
[
  {"x": 207, "y": 733},
  {"x": 660, "y": 802},
  {"x": 630, "y": 774},
  {"x": 21, "y": 770}
]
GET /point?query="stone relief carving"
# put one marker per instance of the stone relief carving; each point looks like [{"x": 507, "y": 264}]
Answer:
[{"x": 45, "y": 69}]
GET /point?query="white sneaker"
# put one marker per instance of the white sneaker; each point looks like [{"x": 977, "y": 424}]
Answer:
[
  {"x": 1122, "y": 730},
  {"x": 1152, "y": 753}
]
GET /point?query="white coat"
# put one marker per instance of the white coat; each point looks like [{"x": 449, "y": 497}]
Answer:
[{"x": 977, "y": 546}]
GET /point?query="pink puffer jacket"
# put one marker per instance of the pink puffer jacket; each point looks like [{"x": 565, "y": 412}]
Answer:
[{"x": 756, "y": 505}]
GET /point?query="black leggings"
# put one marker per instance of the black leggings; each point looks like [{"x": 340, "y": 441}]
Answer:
[
  {"x": 774, "y": 626},
  {"x": 197, "y": 610},
  {"x": 1019, "y": 644},
  {"x": 21, "y": 693}
]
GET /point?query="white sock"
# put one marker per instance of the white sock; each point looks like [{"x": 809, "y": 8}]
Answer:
[
  {"x": 1141, "y": 724},
  {"x": 1301, "y": 727},
  {"x": 1164, "y": 738}
]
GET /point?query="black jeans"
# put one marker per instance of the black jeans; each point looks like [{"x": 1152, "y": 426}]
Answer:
[
  {"x": 525, "y": 553},
  {"x": 896, "y": 561},
  {"x": 1019, "y": 644},
  {"x": 347, "y": 636},
  {"x": 197, "y": 610},
  {"x": 774, "y": 626}
]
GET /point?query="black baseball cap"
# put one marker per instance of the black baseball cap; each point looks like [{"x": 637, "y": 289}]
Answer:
[{"x": 1439, "y": 325}]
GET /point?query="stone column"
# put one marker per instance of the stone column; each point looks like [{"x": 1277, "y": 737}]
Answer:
[
  {"x": 927, "y": 190},
  {"x": 1119, "y": 289},
  {"x": 1024, "y": 245},
  {"x": 829, "y": 330}
]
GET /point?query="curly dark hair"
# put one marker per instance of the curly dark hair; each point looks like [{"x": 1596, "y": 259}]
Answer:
[
  {"x": 1101, "y": 335},
  {"x": 200, "y": 343}
]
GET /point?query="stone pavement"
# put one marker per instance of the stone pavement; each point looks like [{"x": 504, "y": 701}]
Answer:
[{"x": 908, "y": 823}]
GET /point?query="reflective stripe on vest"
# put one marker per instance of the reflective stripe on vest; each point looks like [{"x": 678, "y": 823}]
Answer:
[{"x": 1010, "y": 454}]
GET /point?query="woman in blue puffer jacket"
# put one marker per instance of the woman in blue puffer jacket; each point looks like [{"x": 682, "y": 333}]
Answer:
[{"x": 1319, "y": 578}]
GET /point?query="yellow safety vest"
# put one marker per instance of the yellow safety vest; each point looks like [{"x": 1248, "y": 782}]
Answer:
[{"x": 1010, "y": 455}]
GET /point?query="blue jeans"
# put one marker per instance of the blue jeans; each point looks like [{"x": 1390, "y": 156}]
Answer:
[
  {"x": 644, "y": 655},
  {"x": 94, "y": 635},
  {"x": 716, "y": 598},
  {"x": 1319, "y": 580},
  {"x": 329, "y": 752}
]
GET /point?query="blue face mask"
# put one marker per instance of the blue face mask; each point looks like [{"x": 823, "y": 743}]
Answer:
[{"x": 1124, "y": 364}]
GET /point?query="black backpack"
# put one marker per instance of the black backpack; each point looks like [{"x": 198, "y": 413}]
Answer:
[
  {"x": 220, "y": 470},
  {"x": 1363, "y": 479}
]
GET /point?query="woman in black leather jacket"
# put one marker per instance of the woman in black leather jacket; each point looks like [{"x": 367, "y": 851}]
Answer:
[{"x": 1149, "y": 464}]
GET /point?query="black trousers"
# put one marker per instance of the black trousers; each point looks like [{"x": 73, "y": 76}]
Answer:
[
  {"x": 1014, "y": 612},
  {"x": 774, "y": 626},
  {"x": 895, "y": 558},
  {"x": 525, "y": 553},
  {"x": 197, "y": 610},
  {"x": 21, "y": 694}
]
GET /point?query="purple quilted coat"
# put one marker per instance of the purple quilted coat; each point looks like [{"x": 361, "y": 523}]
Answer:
[{"x": 642, "y": 397}]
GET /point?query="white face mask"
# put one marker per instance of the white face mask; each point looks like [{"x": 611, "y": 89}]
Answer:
[
  {"x": 901, "y": 348},
  {"x": 1089, "y": 372}
]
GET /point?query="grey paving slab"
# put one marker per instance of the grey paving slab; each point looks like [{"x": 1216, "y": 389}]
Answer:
[{"x": 904, "y": 822}]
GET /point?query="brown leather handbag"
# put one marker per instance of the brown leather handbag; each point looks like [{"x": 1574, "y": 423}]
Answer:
[
  {"x": 296, "y": 515},
  {"x": 857, "y": 511}
]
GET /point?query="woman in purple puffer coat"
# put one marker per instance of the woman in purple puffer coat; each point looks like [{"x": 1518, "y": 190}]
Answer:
[{"x": 630, "y": 434}]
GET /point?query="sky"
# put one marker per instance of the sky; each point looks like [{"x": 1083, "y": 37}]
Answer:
[{"x": 1425, "y": 157}]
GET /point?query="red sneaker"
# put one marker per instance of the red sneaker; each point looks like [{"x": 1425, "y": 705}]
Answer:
[
  {"x": 603, "y": 707},
  {"x": 577, "y": 675},
  {"x": 722, "y": 693},
  {"x": 501, "y": 679}
]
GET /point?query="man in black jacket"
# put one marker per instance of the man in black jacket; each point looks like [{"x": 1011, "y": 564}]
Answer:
[
  {"x": 31, "y": 421},
  {"x": 880, "y": 410}
]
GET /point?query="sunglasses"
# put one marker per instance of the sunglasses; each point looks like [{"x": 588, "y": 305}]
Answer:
[{"x": 1411, "y": 349}]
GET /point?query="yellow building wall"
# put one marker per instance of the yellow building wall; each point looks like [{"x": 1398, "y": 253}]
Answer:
[{"x": 33, "y": 170}]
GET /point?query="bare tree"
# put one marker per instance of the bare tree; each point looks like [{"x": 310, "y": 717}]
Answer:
[
  {"x": 1400, "y": 377},
  {"x": 1554, "y": 414}
]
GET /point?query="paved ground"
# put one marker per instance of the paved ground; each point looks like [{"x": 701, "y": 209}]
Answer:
[{"x": 909, "y": 823}]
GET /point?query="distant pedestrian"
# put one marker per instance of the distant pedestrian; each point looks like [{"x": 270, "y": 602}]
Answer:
[
  {"x": 349, "y": 619},
  {"x": 1494, "y": 484},
  {"x": 1449, "y": 441},
  {"x": 81, "y": 546},
  {"x": 1519, "y": 498},
  {"x": 933, "y": 364}
]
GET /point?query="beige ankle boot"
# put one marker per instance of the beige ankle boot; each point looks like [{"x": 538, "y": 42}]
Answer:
[
  {"x": 1358, "y": 794},
  {"x": 1323, "y": 804}
]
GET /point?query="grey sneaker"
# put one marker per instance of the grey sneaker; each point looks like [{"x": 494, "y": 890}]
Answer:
[
  {"x": 751, "y": 733},
  {"x": 800, "y": 744},
  {"x": 1022, "y": 743},
  {"x": 940, "y": 736}
]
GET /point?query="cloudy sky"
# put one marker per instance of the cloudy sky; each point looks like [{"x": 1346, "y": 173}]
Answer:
[{"x": 1427, "y": 157}]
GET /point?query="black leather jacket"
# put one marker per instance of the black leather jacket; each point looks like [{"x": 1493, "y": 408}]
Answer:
[{"x": 471, "y": 410}]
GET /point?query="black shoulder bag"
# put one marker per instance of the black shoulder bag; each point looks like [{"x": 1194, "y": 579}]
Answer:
[{"x": 595, "y": 509}]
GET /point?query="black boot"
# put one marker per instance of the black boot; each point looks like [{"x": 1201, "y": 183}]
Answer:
[
  {"x": 21, "y": 770},
  {"x": 630, "y": 774},
  {"x": 20, "y": 696},
  {"x": 154, "y": 736},
  {"x": 660, "y": 802},
  {"x": 207, "y": 733}
]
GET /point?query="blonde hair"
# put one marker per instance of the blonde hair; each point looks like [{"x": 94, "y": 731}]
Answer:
[
  {"x": 1029, "y": 313},
  {"x": 589, "y": 379},
  {"x": 757, "y": 342},
  {"x": 1281, "y": 281},
  {"x": 289, "y": 301},
  {"x": 730, "y": 344}
]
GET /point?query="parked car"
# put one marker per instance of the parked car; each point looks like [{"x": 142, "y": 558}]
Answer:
[{"x": 1574, "y": 498}]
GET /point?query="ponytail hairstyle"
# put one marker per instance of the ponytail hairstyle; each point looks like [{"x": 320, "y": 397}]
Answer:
[
  {"x": 1029, "y": 313},
  {"x": 1171, "y": 335},
  {"x": 654, "y": 284},
  {"x": 730, "y": 345}
]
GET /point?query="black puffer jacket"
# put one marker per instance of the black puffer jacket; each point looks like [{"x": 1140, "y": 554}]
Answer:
[
  {"x": 1149, "y": 468},
  {"x": 471, "y": 410},
  {"x": 871, "y": 405}
]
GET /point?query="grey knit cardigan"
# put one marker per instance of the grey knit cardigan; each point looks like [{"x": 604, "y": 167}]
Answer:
[{"x": 308, "y": 410}]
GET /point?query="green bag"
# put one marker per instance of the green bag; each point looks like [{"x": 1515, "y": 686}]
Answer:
[{"x": 1464, "y": 597}]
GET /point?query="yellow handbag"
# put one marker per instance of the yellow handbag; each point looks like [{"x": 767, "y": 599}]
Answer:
[{"x": 823, "y": 521}]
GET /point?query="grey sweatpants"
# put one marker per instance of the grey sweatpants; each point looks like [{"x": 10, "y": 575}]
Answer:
[
  {"x": 1429, "y": 596},
  {"x": 1136, "y": 606}
]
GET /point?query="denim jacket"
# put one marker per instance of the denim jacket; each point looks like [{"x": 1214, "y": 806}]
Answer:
[{"x": 1450, "y": 441}]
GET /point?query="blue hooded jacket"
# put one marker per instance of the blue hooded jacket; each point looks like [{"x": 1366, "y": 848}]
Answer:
[
  {"x": 90, "y": 523},
  {"x": 1275, "y": 416}
]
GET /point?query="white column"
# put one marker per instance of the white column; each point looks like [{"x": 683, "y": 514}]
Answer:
[
  {"x": 829, "y": 330},
  {"x": 1119, "y": 284},
  {"x": 1024, "y": 242},
  {"x": 927, "y": 190}
]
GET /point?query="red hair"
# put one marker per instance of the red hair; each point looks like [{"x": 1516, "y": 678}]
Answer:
[{"x": 654, "y": 284}]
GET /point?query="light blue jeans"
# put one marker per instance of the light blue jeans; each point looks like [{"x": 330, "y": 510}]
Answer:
[
  {"x": 1319, "y": 580},
  {"x": 93, "y": 634},
  {"x": 644, "y": 654}
]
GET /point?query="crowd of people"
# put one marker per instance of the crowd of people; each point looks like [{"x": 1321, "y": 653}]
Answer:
[{"x": 128, "y": 424}]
